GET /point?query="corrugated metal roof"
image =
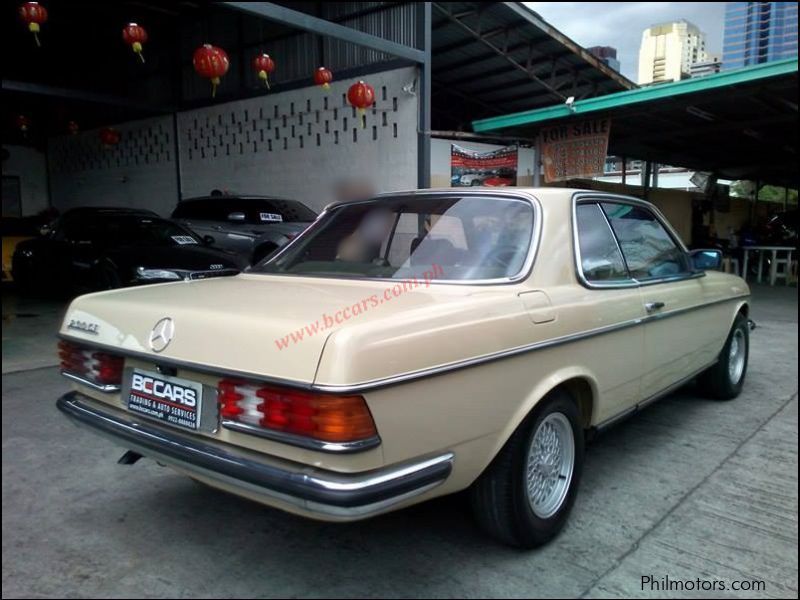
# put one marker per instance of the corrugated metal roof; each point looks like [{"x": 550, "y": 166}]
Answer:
[
  {"x": 501, "y": 57},
  {"x": 739, "y": 124}
]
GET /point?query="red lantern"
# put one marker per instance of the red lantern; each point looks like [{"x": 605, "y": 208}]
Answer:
[
  {"x": 135, "y": 35},
  {"x": 23, "y": 124},
  {"x": 212, "y": 63},
  {"x": 73, "y": 127},
  {"x": 323, "y": 77},
  {"x": 109, "y": 136},
  {"x": 264, "y": 65},
  {"x": 362, "y": 96},
  {"x": 34, "y": 15}
]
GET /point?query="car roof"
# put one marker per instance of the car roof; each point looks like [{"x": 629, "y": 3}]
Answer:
[
  {"x": 111, "y": 210},
  {"x": 237, "y": 197}
]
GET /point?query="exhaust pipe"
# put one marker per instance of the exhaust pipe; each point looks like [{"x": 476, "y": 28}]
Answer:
[{"x": 129, "y": 458}]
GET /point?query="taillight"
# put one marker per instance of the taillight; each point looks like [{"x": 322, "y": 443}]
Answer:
[
  {"x": 321, "y": 417},
  {"x": 98, "y": 367}
]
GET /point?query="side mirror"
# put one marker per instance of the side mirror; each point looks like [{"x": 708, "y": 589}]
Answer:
[
  {"x": 236, "y": 216},
  {"x": 706, "y": 260},
  {"x": 209, "y": 239}
]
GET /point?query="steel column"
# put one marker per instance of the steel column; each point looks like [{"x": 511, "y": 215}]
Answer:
[{"x": 424, "y": 39}]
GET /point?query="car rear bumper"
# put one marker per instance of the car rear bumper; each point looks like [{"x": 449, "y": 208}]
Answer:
[{"x": 314, "y": 492}]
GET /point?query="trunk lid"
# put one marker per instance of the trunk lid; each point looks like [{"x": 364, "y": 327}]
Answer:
[{"x": 275, "y": 326}]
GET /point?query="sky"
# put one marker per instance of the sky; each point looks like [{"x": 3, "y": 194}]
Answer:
[{"x": 620, "y": 24}]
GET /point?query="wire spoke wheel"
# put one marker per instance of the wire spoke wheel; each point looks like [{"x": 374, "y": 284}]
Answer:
[{"x": 550, "y": 464}]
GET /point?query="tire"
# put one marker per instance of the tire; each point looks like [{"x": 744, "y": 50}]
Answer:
[
  {"x": 500, "y": 498},
  {"x": 725, "y": 379}
]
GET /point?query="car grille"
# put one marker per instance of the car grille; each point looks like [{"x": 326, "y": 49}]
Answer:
[{"x": 215, "y": 273}]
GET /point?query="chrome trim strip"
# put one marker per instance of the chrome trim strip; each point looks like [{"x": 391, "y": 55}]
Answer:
[
  {"x": 377, "y": 383},
  {"x": 404, "y": 377},
  {"x": 314, "y": 490},
  {"x": 300, "y": 441},
  {"x": 522, "y": 196},
  {"x": 654, "y": 398},
  {"x": 596, "y": 197},
  {"x": 157, "y": 359},
  {"x": 100, "y": 387}
]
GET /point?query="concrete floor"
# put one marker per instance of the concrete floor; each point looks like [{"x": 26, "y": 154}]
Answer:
[{"x": 688, "y": 489}]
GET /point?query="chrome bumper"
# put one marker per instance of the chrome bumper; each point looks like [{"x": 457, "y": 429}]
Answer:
[{"x": 323, "y": 493}]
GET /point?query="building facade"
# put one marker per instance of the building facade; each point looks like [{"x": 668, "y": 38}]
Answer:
[
  {"x": 607, "y": 54},
  {"x": 759, "y": 32},
  {"x": 669, "y": 50},
  {"x": 712, "y": 64}
]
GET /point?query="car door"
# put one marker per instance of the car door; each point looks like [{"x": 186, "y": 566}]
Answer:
[
  {"x": 612, "y": 302},
  {"x": 678, "y": 331}
]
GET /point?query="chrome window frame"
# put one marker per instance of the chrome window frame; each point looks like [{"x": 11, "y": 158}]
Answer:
[
  {"x": 631, "y": 282},
  {"x": 522, "y": 196}
]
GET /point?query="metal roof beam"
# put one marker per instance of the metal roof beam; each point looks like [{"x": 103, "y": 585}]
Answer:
[
  {"x": 323, "y": 27},
  {"x": 82, "y": 96},
  {"x": 478, "y": 36}
]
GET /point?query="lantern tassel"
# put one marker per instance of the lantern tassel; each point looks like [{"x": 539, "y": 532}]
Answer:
[
  {"x": 36, "y": 37},
  {"x": 214, "y": 84},
  {"x": 363, "y": 114},
  {"x": 141, "y": 56},
  {"x": 326, "y": 86}
]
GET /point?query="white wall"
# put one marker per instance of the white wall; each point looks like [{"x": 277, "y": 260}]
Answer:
[
  {"x": 287, "y": 144},
  {"x": 440, "y": 161},
  {"x": 138, "y": 172},
  {"x": 30, "y": 166},
  {"x": 291, "y": 145}
]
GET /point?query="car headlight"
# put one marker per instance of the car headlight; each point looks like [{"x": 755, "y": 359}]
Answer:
[{"x": 144, "y": 273}]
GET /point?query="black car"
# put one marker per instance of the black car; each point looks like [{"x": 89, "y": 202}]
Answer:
[
  {"x": 253, "y": 226},
  {"x": 106, "y": 248}
]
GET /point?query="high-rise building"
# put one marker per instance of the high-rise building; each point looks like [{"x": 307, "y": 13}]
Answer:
[
  {"x": 607, "y": 54},
  {"x": 669, "y": 50},
  {"x": 712, "y": 64},
  {"x": 758, "y": 32}
]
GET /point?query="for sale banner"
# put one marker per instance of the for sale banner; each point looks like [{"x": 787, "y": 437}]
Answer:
[
  {"x": 575, "y": 151},
  {"x": 469, "y": 168}
]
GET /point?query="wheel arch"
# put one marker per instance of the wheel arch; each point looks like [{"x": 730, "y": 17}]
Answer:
[{"x": 578, "y": 382}]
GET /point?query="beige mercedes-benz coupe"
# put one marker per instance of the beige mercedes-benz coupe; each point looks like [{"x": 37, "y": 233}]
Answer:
[{"x": 409, "y": 346}]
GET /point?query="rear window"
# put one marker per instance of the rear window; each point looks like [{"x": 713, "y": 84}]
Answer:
[
  {"x": 468, "y": 237},
  {"x": 255, "y": 210}
]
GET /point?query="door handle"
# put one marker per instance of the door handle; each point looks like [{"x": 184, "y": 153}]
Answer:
[{"x": 653, "y": 306}]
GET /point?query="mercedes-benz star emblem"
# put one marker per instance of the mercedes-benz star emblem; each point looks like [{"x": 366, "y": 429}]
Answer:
[{"x": 162, "y": 334}]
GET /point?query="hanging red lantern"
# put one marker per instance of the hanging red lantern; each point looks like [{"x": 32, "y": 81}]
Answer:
[
  {"x": 264, "y": 65},
  {"x": 23, "y": 124},
  {"x": 109, "y": 136},
  {"x": 362, "y": 96},
  {"x": 73, "y": 128},
  {"x": 135, "y": 35},
  {"x": 34, "y": 15},
  {"x": 212, "y": 63},
  {"x": 323, "y": 77}
]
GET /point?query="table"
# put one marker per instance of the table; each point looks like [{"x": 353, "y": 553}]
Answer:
[{"x": 773, "y": 271}]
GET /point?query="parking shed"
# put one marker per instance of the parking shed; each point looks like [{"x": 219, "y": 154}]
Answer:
[{"x": 688, "y": 487}]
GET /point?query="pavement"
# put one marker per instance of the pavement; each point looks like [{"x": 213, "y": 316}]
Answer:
[{"x": 685, "y": 497}]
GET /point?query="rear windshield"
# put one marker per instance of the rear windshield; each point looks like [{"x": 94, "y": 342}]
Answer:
[
  {"x": 468, "y": 237},
  {"x": 126, "y": 229},
  {"x": 255, "y": 210}
]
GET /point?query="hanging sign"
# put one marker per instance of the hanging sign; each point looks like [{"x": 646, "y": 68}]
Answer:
[
  {"x": 496, "y": 168},
  {"x": 575, "y": 151}
]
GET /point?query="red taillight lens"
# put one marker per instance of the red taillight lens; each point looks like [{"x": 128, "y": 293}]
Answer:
[
  {"x": 317, "y": 416},
  {"x": 98, "y": 367}
]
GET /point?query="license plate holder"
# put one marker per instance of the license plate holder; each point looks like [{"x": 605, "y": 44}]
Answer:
[{"x": 170, "y": 400}]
